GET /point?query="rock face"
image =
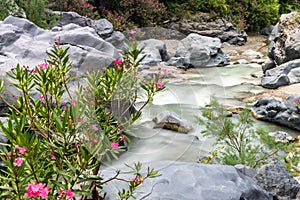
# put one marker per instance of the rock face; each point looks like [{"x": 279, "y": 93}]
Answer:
[
  {"x": 154, "y": 50},
  {"x": 102, "y": 26},
  {"x": 275, "y": 178},
  {"x": 284, "y": 74},
  {"x": 171, "y": 121},
  {"x": 23, "y": 42},
  {"x": 199, "y": 51},
  {"x": 277, "y": 110},
  {"x": 191, "y": 181},
  {"x": 283, "y": 53},
  {"x": 203, "y": 24}
]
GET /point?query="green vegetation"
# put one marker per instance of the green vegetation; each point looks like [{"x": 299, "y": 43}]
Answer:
[
  {"x": 239, "y": 142},
  {"x": 126, "y": 14},
  {"x": 58, "y": 140}
]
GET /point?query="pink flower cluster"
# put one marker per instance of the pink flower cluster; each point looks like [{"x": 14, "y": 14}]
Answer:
[
  {"x": 19, "y": 150},
  {"x": 43, "y": 65},
  {"x": 69, "y": 194},
  {"x": 37, "y": 190},
  {"x": 297, "y": 102},
  {"x": 137, "y": 180}
]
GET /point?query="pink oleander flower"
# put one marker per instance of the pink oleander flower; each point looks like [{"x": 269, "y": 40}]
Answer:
[
  {"x": 114, "y": 145},
  {"x": 94, "y": 126},
  {"x": 43, "y": 65},
  {"x": 34, "y": 71},
  {"x": 122, "y": 138},
  {"x": 74, "y": 102},
  {"x": 297, "y": 101},
  {"x": 118, "y": 62},
  {"x": 22, "y": 150},
  {"x": 69, "y": 193},
  {"x": 37, "y": 190},
  {"x": 159, "y": 84},
  {"x": 132, "y": 32},
  {"x": 138, "y": 180},
  {"x": 16, "y": 147},
  {"x": 9, "y": 154},
  {"x": 42, "y": 97},
  {"x": 52, "y": 157},
  {"x": 78, "y": 120},
  {"x": 18, "y": 162},
  {"x": 165, "y": 72}
]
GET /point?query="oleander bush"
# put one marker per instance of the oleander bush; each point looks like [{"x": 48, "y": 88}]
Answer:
[{"x": 59, "y": 140}]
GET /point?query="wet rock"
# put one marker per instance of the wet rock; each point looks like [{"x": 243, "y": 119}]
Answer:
[
  {"x": 277, "y": 110},
  {"x": 171, "y": 121},
  {"x": 154, "y": 50},
  {"x": 24, "y": 43},
  {"x": 102, "y": 26},
  {"x": 282, "y": 137},
  {"x": 285, "y": 74},
  {"x": 201, "y": 51},
  {"x": 275, "y": 179},
  {"x": 192, "y": 181}
]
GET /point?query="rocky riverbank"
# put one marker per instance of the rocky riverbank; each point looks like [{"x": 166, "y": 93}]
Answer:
[{"x": 94, "y": 45}]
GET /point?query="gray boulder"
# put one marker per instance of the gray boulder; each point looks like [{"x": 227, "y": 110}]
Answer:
[
  {"x": 275, "y": 179},
  {"x": 204, "y": 24},
  {"x": 283, "y": 52},
  {"x": 102, "y": 26},
  {"x": 277, "y": 110},
  {"x": 285, "y": 74},
  {"x": 154, "y": 50},
  {"x": 201, "y": 51},
  {"x": 285, "y": 39},
  {"x": 171, "y": 121},
  {"x": 192, "y": 181},
  {"x": 118, "y": 40},
  {"x": 23, "y": 42}
]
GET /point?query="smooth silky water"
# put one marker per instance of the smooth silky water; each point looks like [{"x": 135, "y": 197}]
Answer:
[{"x": 186, "y": 95}]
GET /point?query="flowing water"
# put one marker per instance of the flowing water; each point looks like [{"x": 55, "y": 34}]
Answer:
[{"x": 186, "y": 95}]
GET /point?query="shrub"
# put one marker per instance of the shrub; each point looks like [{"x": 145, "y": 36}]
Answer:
[
  {"x": 82, "y": 7},
  {"x": 56, "y": 149},
  {"x": 239, "y": 142},
  {"x": 120, "y": 22}
]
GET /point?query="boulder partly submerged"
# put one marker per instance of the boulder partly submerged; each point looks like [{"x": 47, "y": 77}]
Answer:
[
  {"x": 277, "y": 110},
  {"x": 172, "y": 121},
  {"x": 192, "y": 181}
]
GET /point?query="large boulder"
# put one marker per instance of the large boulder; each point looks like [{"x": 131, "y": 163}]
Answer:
[
  {"x": 283, "y": 52},
  {"x": 155, "y": 51},
  {"x": 204, "y": 24},
  {"x": 275, "y": 179},
  {"x": 192, "y": 181},
  {"x": 102, "y": 26},
  {"x": 24, "y": 43},
  {"x": 284, "y": 112},
  {"x": 285, "y": 74},
  {"x": 199, "y": 51},
  {"x": 285, "y": 39}
]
